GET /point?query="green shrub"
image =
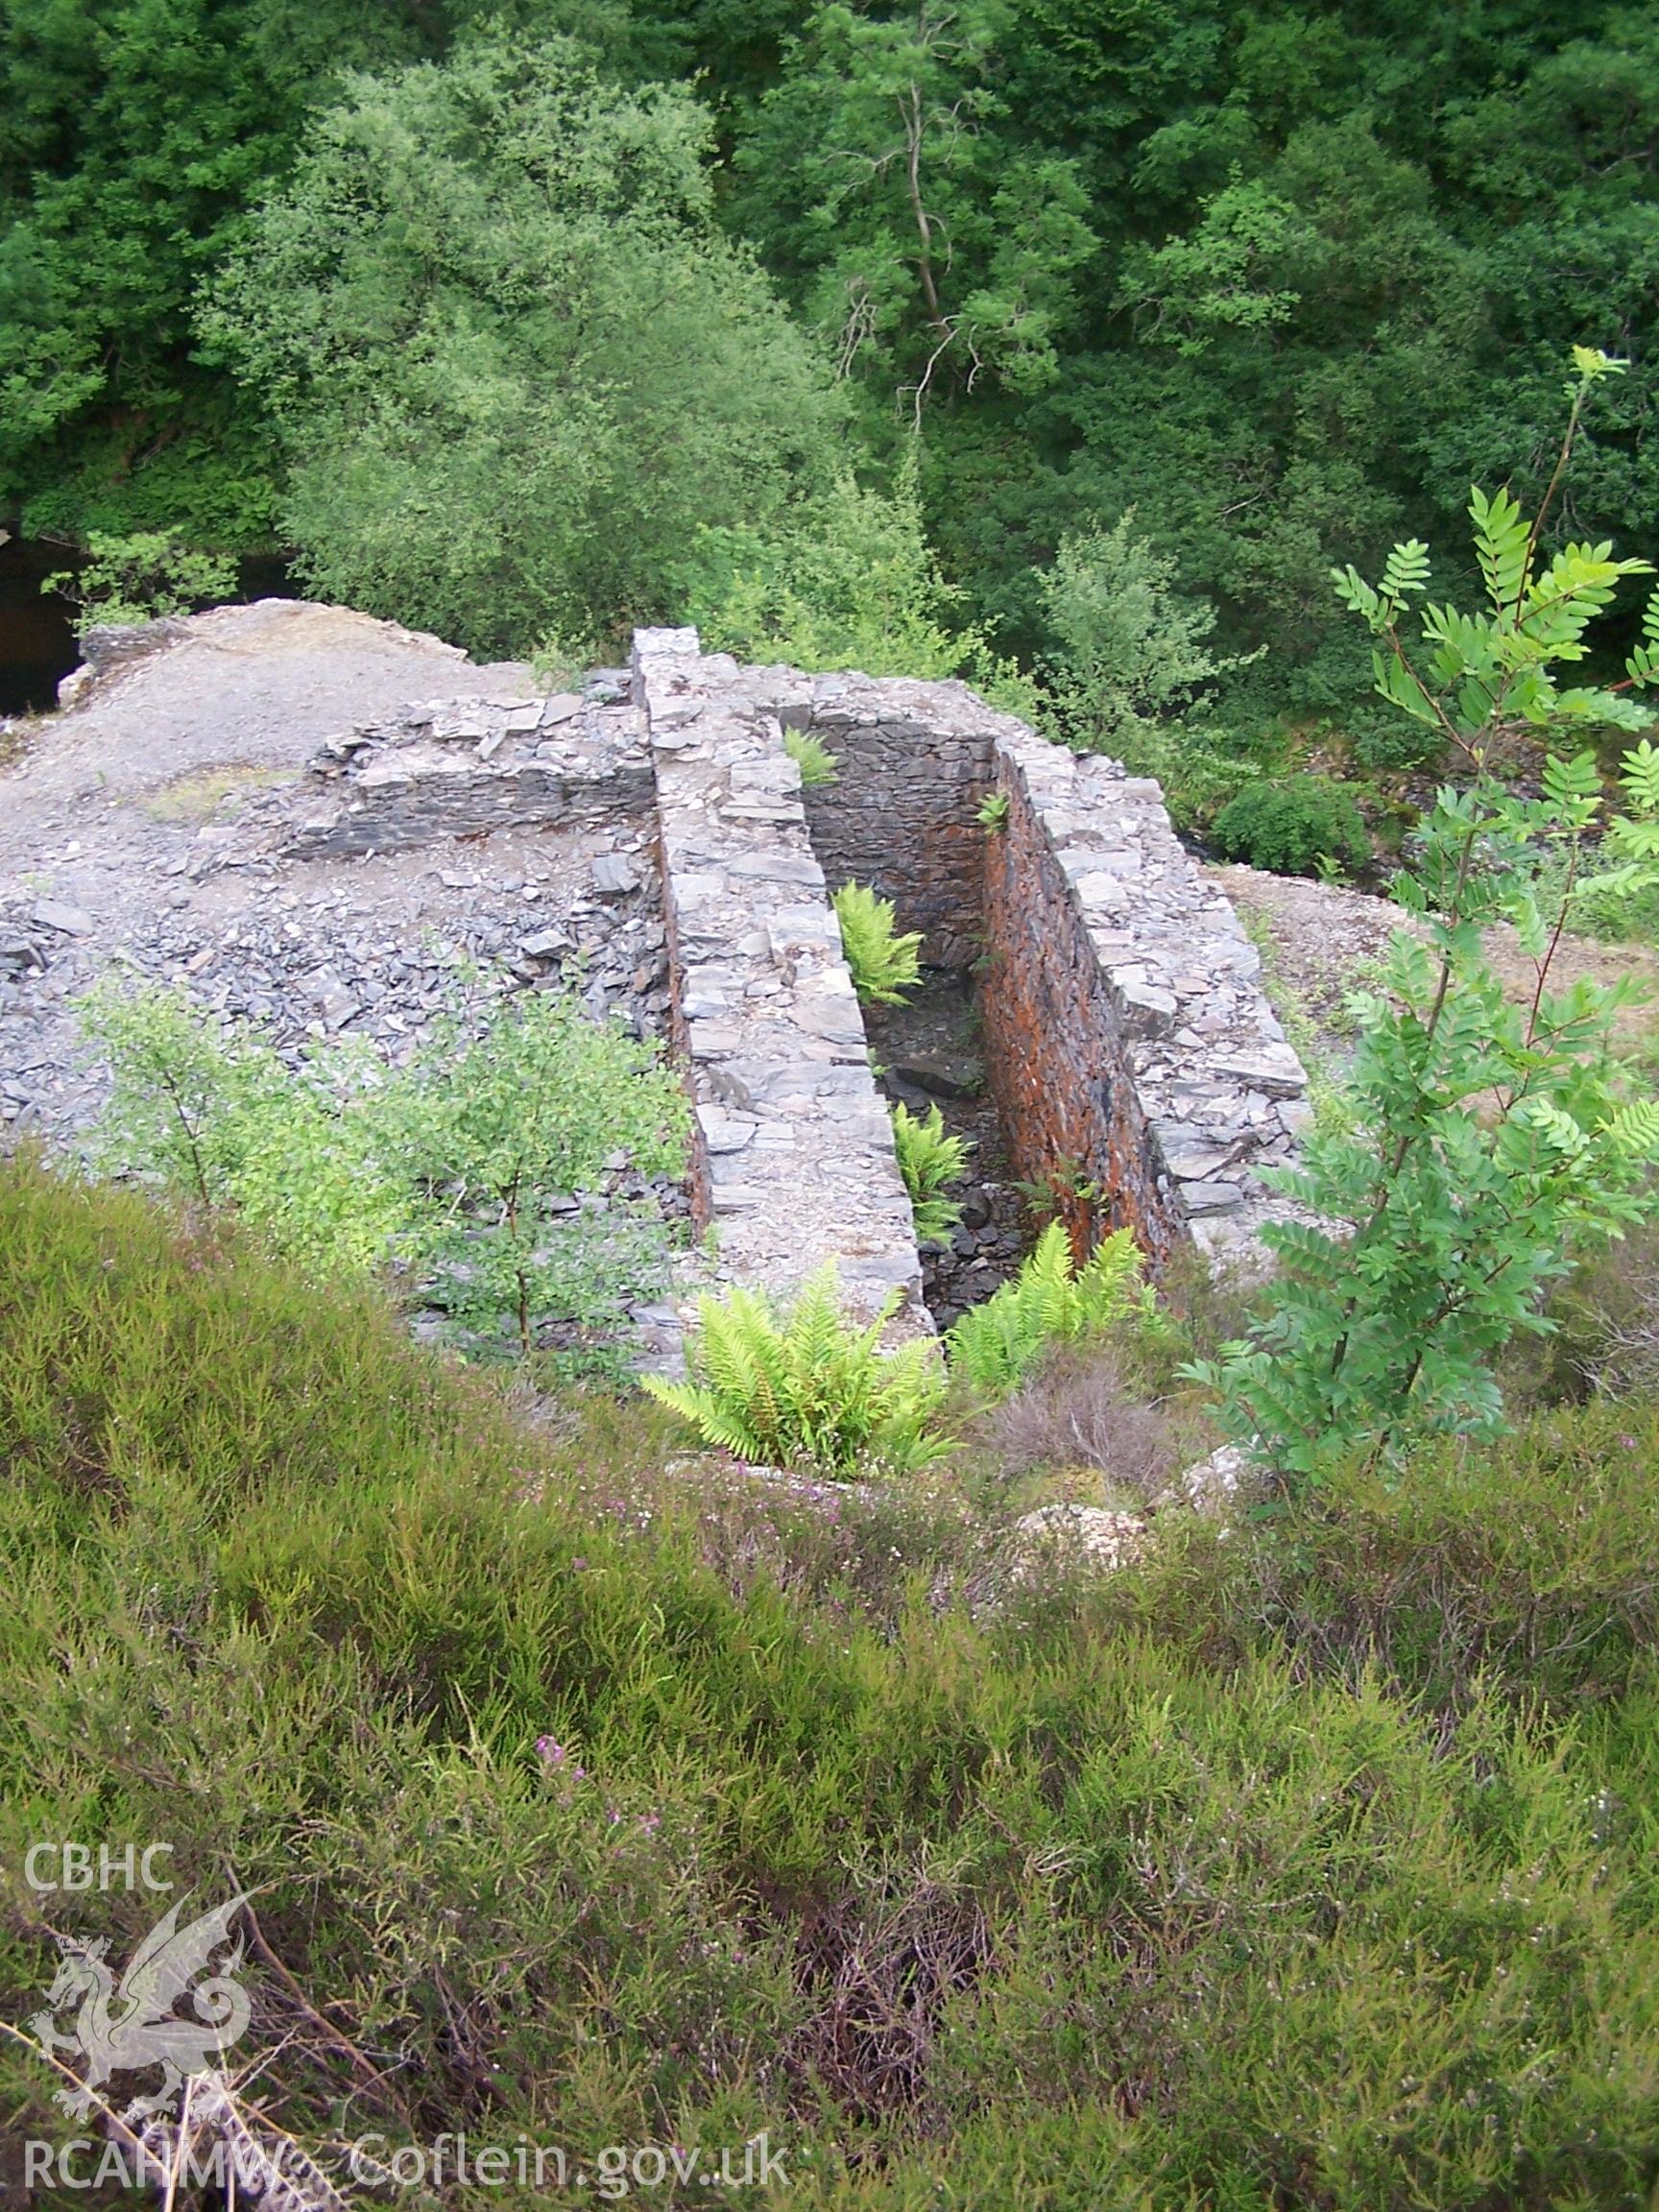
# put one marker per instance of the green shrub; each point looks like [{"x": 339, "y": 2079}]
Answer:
[
  {"x": 1488, "y": 1137},
  {"x": 1050, "y": 1302},
  {"x": 512, "y": 444},
  {"x": 212, "y": 1110},
  {"x": 885, "y": 965},
  {"x": 930, "y": 1161},
  {"x": 1291, "y": 827},
  {"x": 846, "y": 579},
  {"x": 467, "y": 1167},
  {"x": 809, "y": 1389},
  {"x": 1520, "y": 1568},
  {"x": 141, "y": 577},
  {"x": 1605, "y": 904}
]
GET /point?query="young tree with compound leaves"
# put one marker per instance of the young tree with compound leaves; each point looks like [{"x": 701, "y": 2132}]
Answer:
[{"x": 1484, "y": 1134}]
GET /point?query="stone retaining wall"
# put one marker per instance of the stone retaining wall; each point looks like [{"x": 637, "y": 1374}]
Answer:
[
  {"x": 795, "y": 1162},
  {"x": 1136, "y": 1061}
]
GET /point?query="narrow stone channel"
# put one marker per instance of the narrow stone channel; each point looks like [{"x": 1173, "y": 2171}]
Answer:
[{"x": 930, "y": 1052}]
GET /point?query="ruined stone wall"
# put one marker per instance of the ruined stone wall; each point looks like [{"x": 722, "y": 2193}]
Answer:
[
  {"x": 914, "y": 761},
  {"x": 1135, "y": 1062},
  {"x": 1127, "y": 1036},
  {"x": 795, "y": 1157},
  {"x": 467, "y": 768}
]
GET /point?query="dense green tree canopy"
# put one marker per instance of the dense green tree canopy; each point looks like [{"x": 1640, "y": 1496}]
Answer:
[
  {"x": 1283, "y": 277},
  {"x": 513, "y": 364}
]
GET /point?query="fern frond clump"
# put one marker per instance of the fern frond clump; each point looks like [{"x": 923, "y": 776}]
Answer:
[
  {"x": 885, "y": 962},
  {"x": 929, "y": 1161},
  {"x": 1051, "y": 1301},
  {"x": 817, "y": 765},
  {"x": 807, "y": 1389}
]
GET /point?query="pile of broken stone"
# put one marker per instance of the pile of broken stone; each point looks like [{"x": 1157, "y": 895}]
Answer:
[{"x": 265, "y": 918}]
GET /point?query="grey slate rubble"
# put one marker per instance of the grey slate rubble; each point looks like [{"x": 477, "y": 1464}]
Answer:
[
  {"x": 647, "y": 840},
  {"x": 464, "y": 768}
]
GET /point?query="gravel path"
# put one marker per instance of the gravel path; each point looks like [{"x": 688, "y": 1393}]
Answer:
[{"x": 1325, "y": 941}]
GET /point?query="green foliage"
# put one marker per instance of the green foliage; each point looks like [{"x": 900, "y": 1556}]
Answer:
[
  {"x": 469, "y": 1169},
  {"x": 488, "y": 303},
  {"x": 992, "y": 811},
  {"x": 1488, "y": 678},
  {"x": 1051, "y": 1301},
  {"x": 1189, "y": 290},
  {"x": 136, "y": 139},
  {"x": 1132, "y": 652},
  {"x": 843, "y": 580},
  {"x": 885, "y": 962},
  {"x": 1604, "y": 905},
  {"x": 809, "y": 1389},
  {"x": 511, "y": 1114},
  {"x": 1210, "y": 261},
  {"x": 301, "y": 1156},
  {"x": 1293, "y": 827},
  {"x": 503, "y": 1725},
  {"x": 1487, "y": 1137},
  {"x": 817, "y": 765},
  {"x": 1133, "y": 668},
  {"x": 929, "y": 1161},
  {"x": 142, "y": 577},
  {"x": 932, "y": 252}
]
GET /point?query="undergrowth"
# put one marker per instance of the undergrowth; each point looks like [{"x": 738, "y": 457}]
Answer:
[
  {"x": 929, "y": 1161},
  {"x": 1308, "y": 1868},
  {"x": 885, "y": 962}
]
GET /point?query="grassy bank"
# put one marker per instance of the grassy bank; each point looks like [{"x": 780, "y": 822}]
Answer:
[{"x": 1312, "y": 1865}]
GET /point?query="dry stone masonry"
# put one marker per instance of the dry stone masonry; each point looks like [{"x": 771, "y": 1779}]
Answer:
[
  {"x": 795, "y": 1162},
  {"x": 1139, "y": 1071},
  {"x": 647, "y": 841},
  {"x": 462, "y": 768},
  {"x": 1135, "y": 1059}
]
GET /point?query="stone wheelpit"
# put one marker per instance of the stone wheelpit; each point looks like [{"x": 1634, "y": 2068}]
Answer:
[
  {"x": 931, "y": 1057},
  {"x": 248, "y": 808},
  {"x": 1138, "y": 1072}
]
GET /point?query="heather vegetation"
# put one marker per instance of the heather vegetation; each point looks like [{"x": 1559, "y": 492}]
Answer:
[
  {"x": 1311, "y": 1866},
  {"x": 686, "y": 1761}
]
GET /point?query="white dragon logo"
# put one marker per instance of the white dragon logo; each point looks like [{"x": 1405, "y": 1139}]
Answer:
[{"x": 135, "y": 2028}]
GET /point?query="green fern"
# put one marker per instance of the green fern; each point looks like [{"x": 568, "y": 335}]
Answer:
[
  {"x": 885, "y": 965},
  {"x": 807, "y": 1389},
  {"x": 930, "y": 1161},
  {"x": 995, "y": 1346},
  {"x": 817, "y": 765}
]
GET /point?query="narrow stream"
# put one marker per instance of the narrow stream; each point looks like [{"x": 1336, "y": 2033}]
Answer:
[{"x": 37, "y": 646}]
